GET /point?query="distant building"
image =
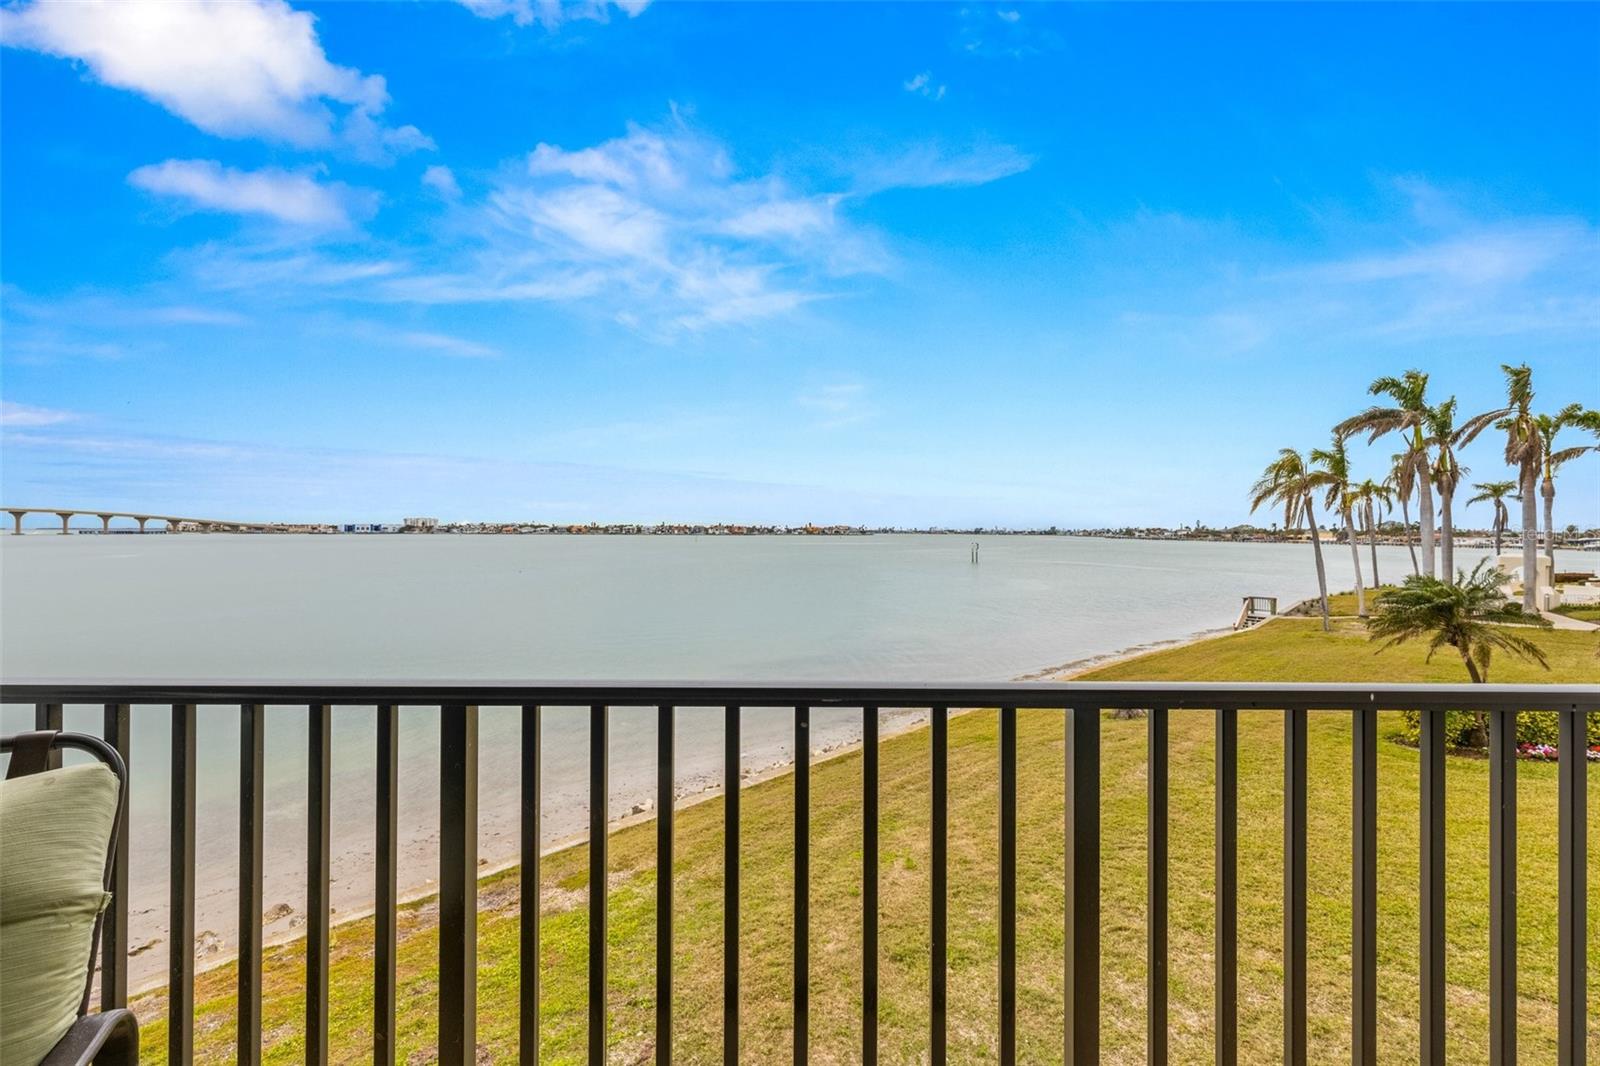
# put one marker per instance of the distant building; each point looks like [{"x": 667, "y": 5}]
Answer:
[{"x": 420, "y": 525}]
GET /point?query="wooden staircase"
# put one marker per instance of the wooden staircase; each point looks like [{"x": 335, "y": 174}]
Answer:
[{"x": 1256, "y": 609}]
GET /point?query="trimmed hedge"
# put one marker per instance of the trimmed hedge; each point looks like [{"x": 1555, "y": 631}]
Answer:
[{"x": 1533, "y": 727}]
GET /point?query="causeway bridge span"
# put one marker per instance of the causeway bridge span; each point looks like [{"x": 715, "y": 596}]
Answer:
[{"x": 173, "y": 523}]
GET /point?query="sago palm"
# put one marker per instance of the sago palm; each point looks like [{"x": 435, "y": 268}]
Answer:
[
  {"x": 1470, "y": 615},
  {"x": 1445, "y": 437},
  {"x": 1408, "y": 418},
  {"x": 1496, "y": 492},
  {"x": 1334, "y": 464},
  {"x": 1553, "y": 459},
  {"x": 1287, "y": 481},
  {"x": 1524, "y": 453}
]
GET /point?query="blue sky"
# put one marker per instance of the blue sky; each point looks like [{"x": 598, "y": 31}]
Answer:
[{"x": 904, "y": 263}]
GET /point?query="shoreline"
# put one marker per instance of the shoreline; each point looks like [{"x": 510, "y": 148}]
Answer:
[{"x": 291, "y": 919}]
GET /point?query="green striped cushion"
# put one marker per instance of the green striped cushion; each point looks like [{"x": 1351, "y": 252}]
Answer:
[{"x": 54, "y": 831}]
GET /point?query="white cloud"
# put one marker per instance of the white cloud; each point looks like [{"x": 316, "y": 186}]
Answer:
[
  {"x": 442, "y": 181},
  {"x": 839, "y": 404},
  {"x": 1007, "y": 15},
  {"x": 234, "y": 68},
  {"x": 20, "y": 415},
  {"x": 930, "y": 165},
  {"x": 922, "y": 84},
  {"x": 445, "y": 344},
  {"x": 295, "y": 197},
  {"x": 552, "y": 13}
]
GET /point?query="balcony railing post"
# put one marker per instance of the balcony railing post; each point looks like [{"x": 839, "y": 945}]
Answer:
[
  {"x": 1227, "y": 891},
  {"x": 1502, "y": 888},
  {"x": 114, "y": 934},
  {"x": 1156, "y": 879},
  {"x": 458, "y": 884},
  {"x": 599, "y": 874},
  {"x": 869, "y": 886},
  {"x": 939, "y": 903},
  {"x": 318, "y": 834},
  {"x": 666, "y": 812},
  {"x": 1082, "y": 1041},
  {"x": 730, "y": 887},
  {"x": 1008, "y": 886},
  {"x": 1431, "y": 971},
  {"x": 530, "y": 887},
  {"x": 1572, "y": 901},
  {"x": 1294, "y": 887},
  {"x": 801, "y": 1023},
  {"x": 180, "y": 881},
  {"x": 252, "y": 782},
  {"x": 1364, "y": 887},
  {"x": 386, "y": 886}
]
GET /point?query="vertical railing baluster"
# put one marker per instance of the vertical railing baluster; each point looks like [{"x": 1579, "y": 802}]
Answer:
[
  {"x": 1364, "y": 887},
  {"x": 1431, "y": 889},
  {"x": 802, "y": 884},
  {"x": 666, "y": 810},
  {"x": 1502, "y": 888},
  {"x": 1008, "y": 886},
  {"x": 730, "y": 888},
  {"x": 531, "y": 892},
  {"x": 939, "y": 844},
  {"x": 1227, "y": 893},
  {"x": 1294, "y": 886},
  {"x": 869, "y": 886},
  {"x": 386, "y": 886},
  {"x": 114, "y": 933},
  {"x": 252, "y": 783},
  {"x": 317, "y": 852},
  {"x": 49, "y": 716},
  {"x": 599, "y": 827},
  {"x": 1156, "y": 881},
  {"x": 458, "y": 884},
  {"x": 1572, "y": 920},
  {"x": 1082, "y": 1036},
  {"x": 180, "y": 882}
]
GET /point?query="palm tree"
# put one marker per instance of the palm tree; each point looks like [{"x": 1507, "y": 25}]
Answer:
[
  {"x": 1372, "y": 496},
  {"x": 1402, "y": 480},
  {"x": 1472, "y": 616},
  {"x": 1408, "y": 417},
  {"x": 1525, "y": 452},
  {"x": 1288, "y": 481},
  {"x": 1496, "y": 492},
  {"x": 1335, "y": 463},
  {"x": 1549, "y": 425},
  {"x": 1446, "y": 437}
]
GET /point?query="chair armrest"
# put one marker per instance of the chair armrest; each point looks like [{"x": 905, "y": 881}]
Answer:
[{"x": 109, "y": 1039}]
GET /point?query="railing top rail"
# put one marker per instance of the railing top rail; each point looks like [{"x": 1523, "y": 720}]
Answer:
[{"x": 1030, "y": 694}]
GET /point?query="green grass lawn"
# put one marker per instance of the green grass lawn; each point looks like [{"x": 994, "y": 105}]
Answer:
[
  {"x": 1285, "y": 650},
  {"x": 1587, "y": 612}
]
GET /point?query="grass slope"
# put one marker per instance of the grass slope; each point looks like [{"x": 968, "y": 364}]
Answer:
[{"x": 1286, "y": 650}]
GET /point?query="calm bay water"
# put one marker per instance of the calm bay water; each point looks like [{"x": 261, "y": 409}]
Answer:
[{"x": 570, "y": 608}]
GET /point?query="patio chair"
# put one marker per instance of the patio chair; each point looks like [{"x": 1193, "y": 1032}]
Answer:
[{"x": 58, "y": 829}]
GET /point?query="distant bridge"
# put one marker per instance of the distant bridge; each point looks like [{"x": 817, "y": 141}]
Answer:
[{"x": 173, "y": 523}]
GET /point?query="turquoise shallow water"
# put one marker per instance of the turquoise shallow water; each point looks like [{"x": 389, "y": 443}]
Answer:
[{"x": 752, "y": 608}]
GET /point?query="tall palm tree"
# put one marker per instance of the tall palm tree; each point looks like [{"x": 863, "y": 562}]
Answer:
[
  {"x": 1549, "y": 425},
  {"x": 1496, "y": 492},
  {"x": 1288, "y": 481},
  {"x": 1445, "y": 437},
  {"x": 1525, "y": 452},
  {"x": 1340, "y": 494},
  {"x": 1373, "y": 496},
  {"x": 1408, "y": 417},
  {"x": 1402, "y": 480}
]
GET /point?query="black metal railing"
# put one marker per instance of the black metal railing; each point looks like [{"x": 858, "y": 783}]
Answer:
[{"x": 1082, "y": 705}]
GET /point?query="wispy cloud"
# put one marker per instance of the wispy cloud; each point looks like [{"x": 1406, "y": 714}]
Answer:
[
  {"x": 21, "y": 415},
  {"x": 930, "y": 165},
  {"x": 838, "y": 404},
  {"x": 294, "y": 197},
  {"x": 234, "y": 68},
  {"x": 442, "y": 180},
  {"x": 552, "y": 13},
  {"x": 923, "y": 85}
]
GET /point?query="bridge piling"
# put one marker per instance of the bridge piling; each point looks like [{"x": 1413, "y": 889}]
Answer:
[
  {"x": 66, "y": 520},
  {"x": 16, "y": 517}
]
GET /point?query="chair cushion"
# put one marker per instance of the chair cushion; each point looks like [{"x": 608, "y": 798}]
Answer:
[{"x": 55, "y": 828}]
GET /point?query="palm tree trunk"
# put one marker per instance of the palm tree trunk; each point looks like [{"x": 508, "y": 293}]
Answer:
[
  {"x": 1425, "y": 512},
  {"x": 1472, "y": 672},
  {"x": 1405, "y": 519},
  {"x": 1548, "y": 491},
  {"x": 1530, "y": 540},
  {"x": 1372, "y": 542},
  {"x": 1447, "y": 545},
  {"x": 1499, "y": 527},
  {"x": 1322, "y": 571},
  {"x": 1355, "y": 559}
]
